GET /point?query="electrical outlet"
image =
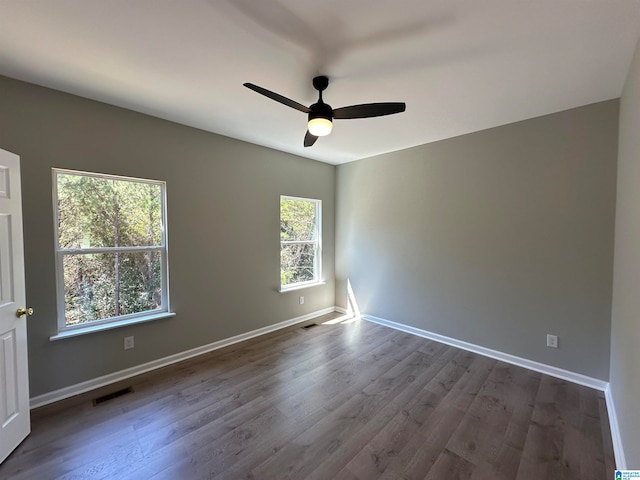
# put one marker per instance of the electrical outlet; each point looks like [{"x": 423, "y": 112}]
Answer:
[
  {"x": 128, "y": 343},
  {"x": 301, "y": 299},
  {"x": 552, "y": 341}
]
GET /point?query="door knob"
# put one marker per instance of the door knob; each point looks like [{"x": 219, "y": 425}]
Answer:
[{"x": 24, "y": 311}]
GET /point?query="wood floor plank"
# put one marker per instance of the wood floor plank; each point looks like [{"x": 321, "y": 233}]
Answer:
[
  {"x": 450, "y": 465},
  {"x": 562, "y": 441},
  {"x": 465, "y": 376},
  {"x": 504, "y": 466},
  {"x": 372, "y": 460},
  {"x": 343, "y": 401},
  {"x": 499, "y": 415},
  {"x": 347, "y": 418},
  {"x": 396, "y": 388}
]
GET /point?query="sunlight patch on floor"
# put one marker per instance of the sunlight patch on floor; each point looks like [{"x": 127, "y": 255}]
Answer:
[{"x": 353, "y": 312}]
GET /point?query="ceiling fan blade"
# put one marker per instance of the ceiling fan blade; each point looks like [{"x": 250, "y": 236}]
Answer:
[
  {"x": 367, "y": 110},
  {"x": 278, "y": 98},
  {"x": 309, "y": 139}
]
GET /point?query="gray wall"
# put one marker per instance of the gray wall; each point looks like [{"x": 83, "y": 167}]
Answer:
[
  {"x": 223, "y": 219},
  {"x": 495, "y": 238},
  {"x": 625, "y": 318}
]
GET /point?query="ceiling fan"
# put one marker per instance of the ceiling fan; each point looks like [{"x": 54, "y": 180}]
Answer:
[{"x": 321, "y": 115}]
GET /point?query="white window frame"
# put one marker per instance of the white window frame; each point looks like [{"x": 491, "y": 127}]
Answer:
[
  {"x": 163, "y": 311},
  {"x": 317, "y": 261}
]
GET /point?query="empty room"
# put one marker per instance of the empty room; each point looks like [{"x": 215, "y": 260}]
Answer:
[{"x": 287, "y": 239}]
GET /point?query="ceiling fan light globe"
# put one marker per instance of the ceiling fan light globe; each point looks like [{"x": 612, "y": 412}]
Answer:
[{"x": 320, "y": 127}]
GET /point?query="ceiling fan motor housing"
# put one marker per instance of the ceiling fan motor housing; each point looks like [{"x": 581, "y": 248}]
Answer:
[{"x": 321, "y": 110}]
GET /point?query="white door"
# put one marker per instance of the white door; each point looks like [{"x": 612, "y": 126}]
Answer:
[{"x": 15, "y": 424}]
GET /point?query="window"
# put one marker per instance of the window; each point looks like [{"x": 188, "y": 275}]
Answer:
[
  {"x": 111, "y": 249},
  {"x": 300, "y": 242}
]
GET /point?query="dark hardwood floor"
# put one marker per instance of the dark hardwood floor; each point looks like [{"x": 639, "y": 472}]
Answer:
[{"x": 345, "y": 401}]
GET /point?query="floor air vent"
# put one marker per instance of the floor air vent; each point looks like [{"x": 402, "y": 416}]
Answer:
[
  {"x": 307, "y": 327},
  {"x": 111, "y": 396}
]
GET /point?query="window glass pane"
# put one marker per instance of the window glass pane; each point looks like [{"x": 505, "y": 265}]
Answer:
[
  {"x": 95, "y": 212},
  {"x": 297, "y": 263},
  {"x": 140, "y": 282},
  {"x": 297, "y": 220},
  {"x": 85, "y": 213},
  {"x": 107, "y": 285},
  {"x": 89, "y": 288},
  {"x": 140, "y": 215}
]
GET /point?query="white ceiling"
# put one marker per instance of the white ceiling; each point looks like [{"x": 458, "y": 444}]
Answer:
[{"x": 460, "y": 66}]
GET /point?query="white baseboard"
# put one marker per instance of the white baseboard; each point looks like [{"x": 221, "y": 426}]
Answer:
[
  {"x": 618, "y": 450},
  {"x": 342, "y": 310},
  {"x": 92, "y": 384},
  {"x": 487, "y": 352}
]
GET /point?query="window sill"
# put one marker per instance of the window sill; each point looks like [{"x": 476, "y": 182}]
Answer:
[
  {"x": 108, "y": 326},
  {"x": 300, "y": 287}
]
